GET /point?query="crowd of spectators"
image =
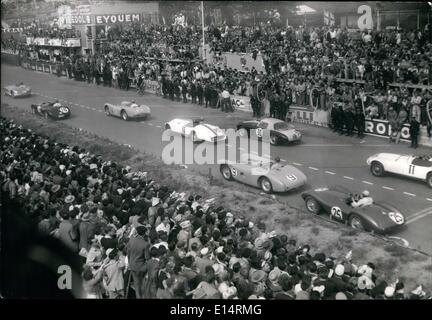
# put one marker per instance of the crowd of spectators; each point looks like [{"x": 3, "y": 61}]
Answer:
[{"x": 134, "y": 234}]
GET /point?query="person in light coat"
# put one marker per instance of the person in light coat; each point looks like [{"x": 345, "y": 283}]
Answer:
[{"x": 113, "y": 274}]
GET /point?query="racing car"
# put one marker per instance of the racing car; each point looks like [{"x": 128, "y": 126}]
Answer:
[
  {"x": 379, "y": 217},
  {"x": 127, "y": 110},
  {"x": 418, "y": 167},
  {"x": 196, "y": 130},
  {"x": 269, "y": 175},
  {"x": 18, "y": 90},
  {"x": 280, "y": 131},
  {"x": 53, "y": 110}
]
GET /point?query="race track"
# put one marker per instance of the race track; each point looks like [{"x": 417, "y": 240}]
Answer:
[{"x": 325, "y": 157}]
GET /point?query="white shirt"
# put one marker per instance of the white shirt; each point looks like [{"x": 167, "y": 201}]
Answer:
[{"x": 366, "y": 201}]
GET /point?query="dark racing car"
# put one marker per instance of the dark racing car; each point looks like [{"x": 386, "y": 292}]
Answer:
[
  {"x": 52, "y": 110},
  {"x": 279, "y": 131},
  {"x": 378, "y": 217}
]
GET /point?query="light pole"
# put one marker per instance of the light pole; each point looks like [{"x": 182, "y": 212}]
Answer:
[{"x": 203, "y": 35}]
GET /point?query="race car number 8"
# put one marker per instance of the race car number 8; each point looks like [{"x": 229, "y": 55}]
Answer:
[
  {"x": 234, "y": 172},
  {"x": 64, "y": 110},
  {"x": 336, "y": 212},
  {"x": 259, "y": 132}
]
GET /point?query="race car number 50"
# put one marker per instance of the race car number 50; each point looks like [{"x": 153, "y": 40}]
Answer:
[{"x": 336, "y": 212}]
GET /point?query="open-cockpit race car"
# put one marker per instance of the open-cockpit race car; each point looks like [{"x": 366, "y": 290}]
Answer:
[{"x": 51, "y": 109}]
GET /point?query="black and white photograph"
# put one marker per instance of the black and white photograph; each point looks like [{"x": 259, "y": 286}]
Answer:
[{"x": 237, "y": 152}]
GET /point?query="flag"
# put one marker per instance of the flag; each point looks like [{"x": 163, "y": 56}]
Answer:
[{"x": 329, "y": 19}]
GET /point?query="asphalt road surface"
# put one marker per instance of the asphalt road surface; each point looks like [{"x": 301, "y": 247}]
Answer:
[{"x": 325, "y": 157}]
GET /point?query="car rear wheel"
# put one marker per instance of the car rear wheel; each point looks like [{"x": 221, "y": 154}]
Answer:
[
  {"x": 273, "y": 140},
  {"x": 312, "y": 205},
  {"x": 355, "y": 222},
  {"x": 429, "y": 180},
  {"x": 124, "y": 116},
  {"x": 377, "y": 169},
  {"x": 266, "y": 185},
  {"x": 107, "y": 112},
  {"x": 226, "y": 172}
]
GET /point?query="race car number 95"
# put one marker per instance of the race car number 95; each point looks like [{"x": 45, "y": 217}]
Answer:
[{"x": 336, "y": 212}]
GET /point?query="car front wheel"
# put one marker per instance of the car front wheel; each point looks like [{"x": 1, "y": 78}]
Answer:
[
  {"x": 429, "y": 180},
  {"x": 377, "y": 169},
  {"x": 266, "y": 185},
  {"x": 312, "y": 205},
  {"x": 226, "y": 172},
  {"x": 273, "y": 140},
  {"x": 356, "y": 223},
  {"x": 124, "y": 116}
]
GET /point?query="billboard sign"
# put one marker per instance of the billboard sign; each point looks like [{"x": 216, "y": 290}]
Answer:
[{"x": 117, "y": 18}]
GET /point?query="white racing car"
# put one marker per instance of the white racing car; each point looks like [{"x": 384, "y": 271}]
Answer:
[
  {"x": 17, "y": 91},
  {"x": 196, "y": 130},
  {"x": 418, "y": 167}
]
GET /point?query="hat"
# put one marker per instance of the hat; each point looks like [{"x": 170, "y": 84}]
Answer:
[
  {"x": 259, "y": 243},
  {"x": 365, "y": 270},
  {"x": 55, "y": 188},
  {"x": 204, "y": 251},
  {"x": 62, "y": 167},
  {"x": 389, "y": 291},
  {"x": 185, "y": 224},
  {"x": 366, "y": 193},
  {"x": 274, "y": 274},
  {"x": 258, "y": 276},
  {"x": 69, "y": 199},
  {"x": 341, "y": 296},
  {"x": 339, "y": 270}
]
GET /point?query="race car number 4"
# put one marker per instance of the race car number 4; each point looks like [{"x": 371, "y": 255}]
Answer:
[{"x": 336, "y": 212}]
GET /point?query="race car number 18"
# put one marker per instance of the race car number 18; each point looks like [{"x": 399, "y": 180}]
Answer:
[{"x": 336, "y": 212}]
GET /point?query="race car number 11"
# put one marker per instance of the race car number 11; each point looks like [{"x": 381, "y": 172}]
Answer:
[{"x": 336, "y": 212}]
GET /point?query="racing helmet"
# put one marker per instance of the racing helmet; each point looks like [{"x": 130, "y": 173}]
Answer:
[{"x": 365, "y": 193}]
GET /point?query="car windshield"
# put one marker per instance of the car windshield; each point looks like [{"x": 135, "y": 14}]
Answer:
[{"x": 283, "y": 126}]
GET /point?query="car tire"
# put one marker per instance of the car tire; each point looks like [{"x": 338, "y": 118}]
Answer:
[
  {"x": 312, "y": 206},
  {"x": 107, "y": 112},
  {"x": 124, "y": 115},
  {"x": 273, "y": 139},
  {"x": 225, "y": 170},
  {"x": 265, "y": 185},
  {"x": 242, "y": 132},
  {"x": 355, "y": 222},
  {"x": 429, "y": 180},
  {"x": 377, "y": 169}
]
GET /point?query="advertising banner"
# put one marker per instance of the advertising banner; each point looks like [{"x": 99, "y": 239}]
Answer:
[
  {"x": 55, "y": 42},
  {"x": 243, "y": 62},
  {"x": 241, "y": 103},
  {"x": 117, "y": 18},
  {"x": 80, "y": 19},
  {"x": 380, "y": 128},
  {"x": 73, "y": 43}
]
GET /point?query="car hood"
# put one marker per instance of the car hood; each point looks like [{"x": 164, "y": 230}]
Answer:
[
  {"x": 289, "y": 132},
  {"x": 390, "y": 156},
  {"x": 140, "y": 109},
  {"x": 18, "y": 89},
  {"x": 281, "y": 173},
  {"x": 213, "y": 129}
]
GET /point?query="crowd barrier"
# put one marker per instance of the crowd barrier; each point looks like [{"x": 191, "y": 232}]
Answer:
[
  {"x": 375, "y": 127},
  {"x": 307, "y": 115}
]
